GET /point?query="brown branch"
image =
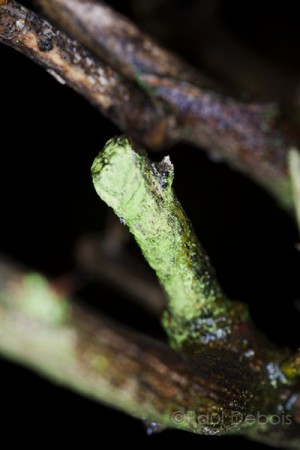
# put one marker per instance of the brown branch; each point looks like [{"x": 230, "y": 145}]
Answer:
[
  {"x": 125, "y": 104},
  {"x": 118, "y": 41},
  {"x": 102, "y": 360},
  {"x": 106, "y": 258},
  {"x": 122, "y": 271},
  {"x": 251, "y": 137},
  {"x": 219, "y": 50}
]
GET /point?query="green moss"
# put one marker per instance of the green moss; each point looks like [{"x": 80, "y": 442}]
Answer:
[
  {"x": 140, "y": 192},
  {"x": 37, "y": 300}
]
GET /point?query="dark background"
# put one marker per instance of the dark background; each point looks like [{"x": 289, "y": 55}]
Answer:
[{"x": 48, "y": 202}]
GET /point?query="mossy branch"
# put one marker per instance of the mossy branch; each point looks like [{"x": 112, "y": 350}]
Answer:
[
  {"x": 78, "y": 349},
  {"x": 226, "y": 366},
  {"x": 94, "y": 356},
  {"x": 140, "y": 192}
]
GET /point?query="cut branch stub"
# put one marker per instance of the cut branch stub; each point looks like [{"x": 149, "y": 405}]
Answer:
[{"x": 140, "y": 192}]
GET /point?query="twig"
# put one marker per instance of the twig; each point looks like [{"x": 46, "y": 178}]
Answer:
[
  {"x": 236, "y": 372},
  {"x": 66, "y": 60},
  {"x": 219, "y": 51},
  {"x": 140, "y": 193},
  {"x": 122, "y": 272},
  {"x": 104, "y": 361},
  {"x": 236, "y": 378},
  {"x": 200, "y": 318},
  {"x": 117, "y": 40},
  {"x": 250, "y": 137}
]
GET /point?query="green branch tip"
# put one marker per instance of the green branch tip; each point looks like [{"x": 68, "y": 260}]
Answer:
[{"x": 140, "y": 193}]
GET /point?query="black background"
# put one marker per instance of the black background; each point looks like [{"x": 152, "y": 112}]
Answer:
[{"x": 48, "y": 202}]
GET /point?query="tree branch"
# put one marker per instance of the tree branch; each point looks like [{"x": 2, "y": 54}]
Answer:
[
  {"x": 238, "y": 378},
  {"x": 166, "y": 109},
  {"x": 102, "y": 360},
  {"x": 140, "y": 193},
  {"x": 122, "y": 271},
  {"x": 251, "y": 137},
  {"x": 200, "y": 318},
  {"x": 118, "y": 41},
  {"x": 219, "y": 50},
  {"x": 225, "y": 366},
  {"x": 94, "y": 356},
  {"x": 125, "y": 104}
]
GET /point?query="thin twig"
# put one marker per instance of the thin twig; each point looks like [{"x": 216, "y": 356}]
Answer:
[{"x": 122, "y": 271}]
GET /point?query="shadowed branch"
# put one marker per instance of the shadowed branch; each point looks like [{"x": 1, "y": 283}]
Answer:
[{"x": 158, "y": 106}]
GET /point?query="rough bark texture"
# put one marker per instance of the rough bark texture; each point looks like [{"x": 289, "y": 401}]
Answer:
[
  {"x": 158, "y": 106},
  {"x": 66, "y": 60},
  {"x": 250, "y": 137},
  {"x": 222, "y": 365},
  {"x": 209, "y": 392}
]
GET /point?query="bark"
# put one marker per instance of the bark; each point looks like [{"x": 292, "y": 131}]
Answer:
[
  {"x": 208, "y": 392},
  {"x": 221, "y": 364},
  {"x": 156, "y": 106}
]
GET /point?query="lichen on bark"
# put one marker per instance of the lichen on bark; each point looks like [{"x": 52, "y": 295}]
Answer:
[{"x": 141, "y": 194}]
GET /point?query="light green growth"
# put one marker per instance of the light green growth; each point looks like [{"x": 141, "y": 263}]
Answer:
[
  {"x": 140, "y": 192},
  {"x": 37, "y": 300},
  {"x": 294, "y": 168}
]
